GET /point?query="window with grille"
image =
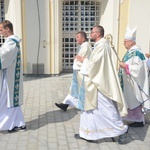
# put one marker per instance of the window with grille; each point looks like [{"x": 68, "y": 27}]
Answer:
[
  {"x": 1, "y": 19},
  {"x": 78, "y": 15}
]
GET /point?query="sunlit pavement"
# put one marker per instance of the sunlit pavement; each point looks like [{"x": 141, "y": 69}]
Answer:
[{"x": 49, "y": 128}]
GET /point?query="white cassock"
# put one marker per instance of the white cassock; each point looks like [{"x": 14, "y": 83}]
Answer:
[
  {"x": 103, "y": 122},
  {"x": 100, "y": 117},
  {"x": 11, "y": 84}
]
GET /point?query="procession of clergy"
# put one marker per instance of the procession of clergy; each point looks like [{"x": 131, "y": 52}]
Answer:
[{"x": 111, "y": 100}]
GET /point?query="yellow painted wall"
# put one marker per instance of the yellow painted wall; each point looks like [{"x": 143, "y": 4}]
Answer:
[
  {"x": 123, "y": 22},
  {"x": 52, "y": 54},
  {"x": 23, "y": 35}
]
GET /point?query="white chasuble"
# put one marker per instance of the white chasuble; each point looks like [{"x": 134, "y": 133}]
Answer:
[
  {"x": 135, "y": 84},
  {"x": 101, "y": 75}
]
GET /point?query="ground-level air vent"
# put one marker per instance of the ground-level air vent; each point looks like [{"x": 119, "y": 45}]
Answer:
[{"x": 38, "y": 68}]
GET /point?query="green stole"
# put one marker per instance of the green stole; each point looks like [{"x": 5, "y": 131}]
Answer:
[{"x": 17, "y": 75}]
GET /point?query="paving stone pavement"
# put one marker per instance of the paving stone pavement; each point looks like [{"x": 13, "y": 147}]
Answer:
[{"x": 49, "y": 128}]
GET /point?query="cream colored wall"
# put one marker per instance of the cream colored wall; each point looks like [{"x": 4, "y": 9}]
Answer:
[
  {"x": 109, "y": 16},
  {"x": 13, "y": 13},
  {"x": 56, "y": 36},
  {"x": 24, "y": 16},
  {"x": 50, "y": 53},
  {"x": 123, "y": 22},
  {"x": 24, "y": 37},
  {"x": 110, "y": 20},
  {"x": 135, "y": 13},
  {"x": 37, "y": 34},
  {"x": 139, "y": 17},
  {"x": 114, "y": 17}
]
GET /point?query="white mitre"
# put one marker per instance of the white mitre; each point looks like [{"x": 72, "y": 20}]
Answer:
[{"x": 130, "y": 34}]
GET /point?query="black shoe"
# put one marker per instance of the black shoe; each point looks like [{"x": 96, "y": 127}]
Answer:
[
  {"x": 122, "y": 138},
  {"x": 62, "y": 106},
  {"x": 77, "y": 136},
  {"x": 113, "y": 139},
  {"x": 136, "y": 124},
  {"x": 22, "y": 128},
  {"x": 15, "y": 129}
]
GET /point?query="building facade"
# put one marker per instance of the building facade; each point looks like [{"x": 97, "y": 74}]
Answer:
[{"x": 48, "y": 28}]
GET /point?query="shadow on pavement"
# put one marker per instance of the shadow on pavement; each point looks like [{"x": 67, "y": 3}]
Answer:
[{"x": 51, "y": 117}]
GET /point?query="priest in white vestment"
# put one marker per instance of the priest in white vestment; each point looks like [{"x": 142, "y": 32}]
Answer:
[
  {"x": 148, "y": 60},
  {"x": 11, "y": 81},
  {"x": 147, "y": 103},
  {"x": 101, "y": 99},
  {"x": 134, "y": 80},
  {"x": 85, "y": 51}
]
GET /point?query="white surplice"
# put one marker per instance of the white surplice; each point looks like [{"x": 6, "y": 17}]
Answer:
[{"x": 71, "y": 99}]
